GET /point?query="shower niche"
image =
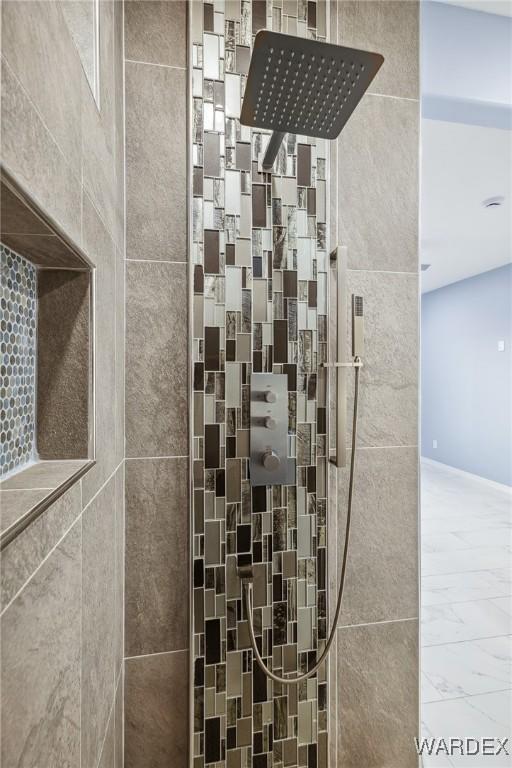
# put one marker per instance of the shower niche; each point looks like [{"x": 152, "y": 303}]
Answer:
[{"x": 47, "y": 440}]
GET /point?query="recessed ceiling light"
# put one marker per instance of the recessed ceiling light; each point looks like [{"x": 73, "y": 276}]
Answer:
[{"x": 493, "y": 202}]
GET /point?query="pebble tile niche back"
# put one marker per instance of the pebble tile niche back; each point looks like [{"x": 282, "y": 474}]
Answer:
[
  {"x": 46, "y": 362},
  {"x": 18, "y": 348}
]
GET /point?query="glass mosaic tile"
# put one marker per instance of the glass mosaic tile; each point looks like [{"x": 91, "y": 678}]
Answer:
[
  {"x": 259, "y": 305},
  {"x": 18, "y": 322}
]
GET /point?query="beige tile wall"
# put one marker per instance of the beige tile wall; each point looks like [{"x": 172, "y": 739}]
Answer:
[
  {"x": 375, "y": 706},
  {"x": 157, "y": 484},
  {"x": 156, "y": 732},
  {"x": 63, "y": 328},
  {"x": 69, "y": 156},
  {"x": 63, "y": 577},
  {"x": 155, "y": 155}
]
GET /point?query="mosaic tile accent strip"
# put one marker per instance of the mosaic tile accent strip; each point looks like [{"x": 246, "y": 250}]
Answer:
[
  {"x": 259, "y": 305},
  {"x": 18, "y": 298}
]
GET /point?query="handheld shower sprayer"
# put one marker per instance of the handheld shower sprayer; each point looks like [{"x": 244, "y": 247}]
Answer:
[{"x": 357, "y": 326}]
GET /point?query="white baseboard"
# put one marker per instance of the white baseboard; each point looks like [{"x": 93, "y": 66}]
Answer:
[{"x": 469, "y": 475}]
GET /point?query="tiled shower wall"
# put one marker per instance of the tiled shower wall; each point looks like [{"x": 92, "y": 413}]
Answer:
[
  {"x": 374, "y": 212},
  {"x": 62, "y": 577},
  {"x": 157, "y": 366},
  {"x": 68, "y": 154},
  {"x": 259, "y": 305}
]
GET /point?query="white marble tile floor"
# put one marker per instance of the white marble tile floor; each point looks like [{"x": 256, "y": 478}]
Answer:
[{"x": 466, "y": 604}]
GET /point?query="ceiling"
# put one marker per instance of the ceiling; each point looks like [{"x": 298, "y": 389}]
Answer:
[
  {"x": 462, "y": 165},
  {"x": 465, "y": 55},
  {"x": 466, "y": 141},
  {"x": 499, "y": 7}
]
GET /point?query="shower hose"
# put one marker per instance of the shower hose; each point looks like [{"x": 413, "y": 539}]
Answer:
[{"x": 247, "y": 582}]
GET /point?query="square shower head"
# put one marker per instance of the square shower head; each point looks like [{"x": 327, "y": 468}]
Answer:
[{"x": 303, "y": 86}]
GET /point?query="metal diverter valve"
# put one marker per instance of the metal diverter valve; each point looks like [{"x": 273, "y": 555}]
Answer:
[{"x": 269, "y": 463}]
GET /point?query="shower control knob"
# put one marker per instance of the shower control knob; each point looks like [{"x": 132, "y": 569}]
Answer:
[
  {"x": 271, "y": 461},
  {"x": 270, "y": 397},
  {"x": 270, "y": 423}
]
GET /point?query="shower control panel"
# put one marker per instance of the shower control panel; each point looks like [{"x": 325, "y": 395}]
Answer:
[{"x": 269, "y": 464}]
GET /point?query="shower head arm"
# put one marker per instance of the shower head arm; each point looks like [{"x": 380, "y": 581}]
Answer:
[{"x": 272, "y": 150}]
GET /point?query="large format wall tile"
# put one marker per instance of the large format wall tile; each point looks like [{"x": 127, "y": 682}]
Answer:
[
  {"x": 15, "y": 502},
  {"x": 156, "y": 711},
  {"x": 18, "y": 218},
  {"x": 119, "y": 718},
  {"x": 378, "y": 154},
  {"x": 45, "y": 250},
  {"x": 38, "y": 46},
  {"x": 382, "y": 572},
  {"x": 30, "y": 154},
  {"x": 54, "y": 137},
  {"x": 392, "y": 29},
  {"x": 112, "y": 750},
  {"x": 119, "y": 121},
  {"x": 156, "y": 359},
  {"x": 156, "y": 204},
  {"x": 156, "y": 32},
  {"x": 27, "y": 551},
  {"x": 99, "y": 172},
  {"x": 156, "y": 555},
  {"x": 107, "y": 53},
  {"x": 108, "y": 752},
  {"x": 101, "y": 249},
  {"x": 98, "y": 620},
  {"x": 99, "y": 129},
  {"x": 378, "y": 695},
  {"x": 388, "y": 390},
  {"x": 45, "y": 474},
  {"x": 119, "y": 570},
  {"x": 63, "y": 369},
  {"x": 120, "y": 279},
  {"x": 41, "y": 664}
]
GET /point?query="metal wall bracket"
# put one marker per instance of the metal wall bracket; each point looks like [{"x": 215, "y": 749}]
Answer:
[{"x": 338, "y": 260}]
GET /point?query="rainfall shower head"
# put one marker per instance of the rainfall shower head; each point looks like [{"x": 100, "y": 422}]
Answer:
[{"x": 303, "y": 86}]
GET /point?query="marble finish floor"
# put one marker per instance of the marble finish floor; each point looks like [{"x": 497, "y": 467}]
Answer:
[{"x": 466, "y": 606}]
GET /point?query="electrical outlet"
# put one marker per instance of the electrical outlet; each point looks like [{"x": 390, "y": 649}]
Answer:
[
  {"x": 434, "y": 443},
  {"x": 501, "y": 345}
]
